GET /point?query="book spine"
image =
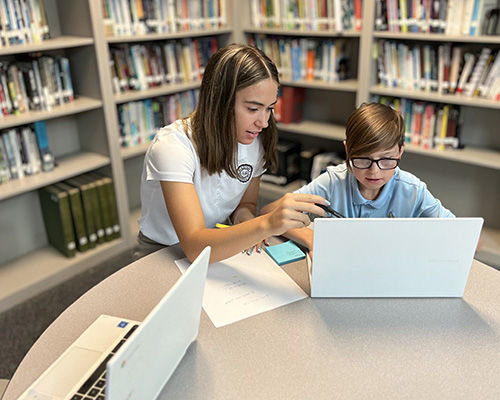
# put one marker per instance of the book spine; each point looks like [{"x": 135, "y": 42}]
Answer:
[{"x": 58, "y": 221}]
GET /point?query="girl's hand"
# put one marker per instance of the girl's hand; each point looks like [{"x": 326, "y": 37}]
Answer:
[
  {"x": 257, "y": 248},
  {"x": 292, "y": 211}
]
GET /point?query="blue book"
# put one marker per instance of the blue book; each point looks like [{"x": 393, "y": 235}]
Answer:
[
  {"x": 285, "y": 253},
  {"x": 296, "y": 61},
  {"x": 48, "y": 162}
]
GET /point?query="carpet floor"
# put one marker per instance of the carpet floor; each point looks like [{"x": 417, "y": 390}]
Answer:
[{"x": 21, "y": 326}]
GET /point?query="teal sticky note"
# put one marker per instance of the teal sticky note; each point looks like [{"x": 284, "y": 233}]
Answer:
[{"x": 285, "y": 253}]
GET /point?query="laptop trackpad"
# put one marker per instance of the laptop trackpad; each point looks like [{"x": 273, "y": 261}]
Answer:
[{"x": 67, "y": 371}]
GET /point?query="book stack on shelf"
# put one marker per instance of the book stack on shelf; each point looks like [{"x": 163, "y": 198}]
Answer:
[
  {"x": 311, "y": 15},
  {"x": 427, "y": 125},
  {"x": 24, "y": 151},
  {"x": 306, "y": 58},
  {"x": 144, "y": 66},
  {"x": 140, "y": 120},
  {"x": 443, "y": 69},
  {"x": 22, "y": 22},
  {"x": 80, "y": 213},
  {"x": 131, "y": 17},
  {"x": 466, "y": 17},
  {"x": 39, "y": 82}
]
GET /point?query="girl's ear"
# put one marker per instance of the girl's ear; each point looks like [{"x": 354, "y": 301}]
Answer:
[{"x": 345, "y": 146}]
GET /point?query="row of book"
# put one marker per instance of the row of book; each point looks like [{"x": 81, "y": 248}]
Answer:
[
  {"x": 139, "y": 17},
  {"x": 80, "y": 213},
  {"x": 444, "y": 68},
  {"x": 24, "y": 151},
  {"x": 142, "y": 66},
  {"x": 450, "y": 17},
  {"x": 140, "y": 120},
  {"x": 307, "y": 59},
  {"x": 22, "y": 22},
  {"x": 428, "y": 125},
  {"x": 310, "y": 15},
  {"x": 38, "y": 83},
  {"x": 298, "y": 162}
]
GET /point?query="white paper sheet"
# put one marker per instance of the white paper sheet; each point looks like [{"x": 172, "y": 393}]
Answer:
[{"x": 242, "y": 286}]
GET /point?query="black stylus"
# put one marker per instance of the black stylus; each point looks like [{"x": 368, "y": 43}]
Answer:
[{"x": 330, "y": 210}]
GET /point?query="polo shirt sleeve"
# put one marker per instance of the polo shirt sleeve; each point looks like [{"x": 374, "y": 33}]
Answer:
[
  {"x": 172, "y": 158},
  {"x": 430, "y": 206}
]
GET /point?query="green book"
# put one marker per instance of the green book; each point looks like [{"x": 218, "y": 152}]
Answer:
[
  {"x": 110, "y": 188},
  {"x": 75, "y": 202},
  {"x": 102, "y": 196},
  {"x": 85, "y": 189},
  {"x": 96, "y": 207},
  {"x": 58, "y": 221}
]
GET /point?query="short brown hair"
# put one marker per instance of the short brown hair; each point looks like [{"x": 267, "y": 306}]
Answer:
[
  {"x": 229, "y": 70},
  {"x": 373, "y": 127}
]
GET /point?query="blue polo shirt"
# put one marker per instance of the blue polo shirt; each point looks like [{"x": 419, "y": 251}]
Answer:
[{"x": 404, "y": 196}]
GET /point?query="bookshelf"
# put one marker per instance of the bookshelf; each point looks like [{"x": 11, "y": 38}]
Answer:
[
  {"x": 465, "y": 180},
  {"x": 474, "y": 169},
  {"x": 84, "y": 136}
]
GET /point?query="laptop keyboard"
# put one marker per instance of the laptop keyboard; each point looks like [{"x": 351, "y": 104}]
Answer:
[{"x": 95, "y": 385}]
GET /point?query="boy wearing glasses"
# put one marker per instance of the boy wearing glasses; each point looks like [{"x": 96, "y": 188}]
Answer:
[{"x": 370, "y": 183}]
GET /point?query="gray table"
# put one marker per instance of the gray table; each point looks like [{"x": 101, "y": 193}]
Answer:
[{"x": 313, "y": 348}]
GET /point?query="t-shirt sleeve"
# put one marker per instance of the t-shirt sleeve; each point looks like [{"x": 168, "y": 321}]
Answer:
[{"x": 171, "y": 157}]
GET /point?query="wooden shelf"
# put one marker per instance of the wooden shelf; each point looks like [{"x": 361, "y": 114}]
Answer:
[
  {"x": 316, "y": 129},
  {"x": 301, "y": 32},
  {"x": 437, "y": 37},
  {"x": 163, "y": 90},
  {"x": 79, "y": 105},
  {"x": 469, "y": 155},
  {"x": 134, "y": 151},
  {"x": 61, "y": 42},
  {"x": 436, "y": 98},
  {"x": 168, "y": 36},
  {"x": 349, "y": 85},
  {"x": 45, "y": 268},
  {"x": 68, "y": 166}
]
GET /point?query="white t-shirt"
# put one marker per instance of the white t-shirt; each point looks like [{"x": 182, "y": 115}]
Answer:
[{"x": 173, "y": 157}]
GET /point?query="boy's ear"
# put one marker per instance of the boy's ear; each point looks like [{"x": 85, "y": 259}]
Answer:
[{"x": 402, "y": 150}]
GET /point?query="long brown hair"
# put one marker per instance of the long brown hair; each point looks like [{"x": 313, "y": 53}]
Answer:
[{"x": 229, "y": 70}]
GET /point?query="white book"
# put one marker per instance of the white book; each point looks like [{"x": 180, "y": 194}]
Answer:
[
  {"x": 493, "y": 73},
  {"x": 467, "y": 16},
  {"x": 454, "y": 17},
  {"x": 466, "y": 71},
  {"x": 337, "y": 15},
  {"x": 456, "y": 59},
  {"x": 473, "y": 82},
  {"x": 494, "y": 92},
  {"x": 117, "y": 17}
]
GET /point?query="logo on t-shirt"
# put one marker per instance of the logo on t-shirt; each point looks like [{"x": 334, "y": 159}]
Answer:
[{"x": 245, "y": 172}]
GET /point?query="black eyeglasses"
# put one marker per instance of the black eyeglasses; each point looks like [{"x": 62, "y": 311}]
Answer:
[{"x": 366, "y": 163}]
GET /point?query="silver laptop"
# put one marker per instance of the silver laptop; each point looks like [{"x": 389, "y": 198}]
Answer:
[
  {"x": 117, "y": 359},
  {"x": 392, "y": 257}
]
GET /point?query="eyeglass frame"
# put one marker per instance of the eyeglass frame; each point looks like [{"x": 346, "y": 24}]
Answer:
[{"x": 374, "y": 161}]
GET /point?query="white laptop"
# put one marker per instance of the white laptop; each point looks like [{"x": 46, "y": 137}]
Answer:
[
  {"x": 392, "y": 257},
  {"x": 133, "y": 360}
]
